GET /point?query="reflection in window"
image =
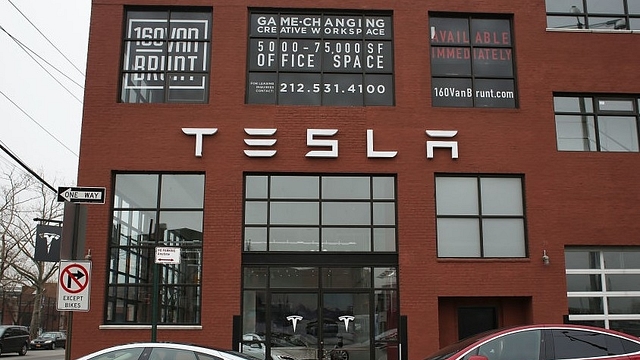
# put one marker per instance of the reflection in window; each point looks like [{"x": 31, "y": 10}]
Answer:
[
  {"x": 320, "y": 213},
  {"x": 596, "y": 123},
  {"x": 593, "y": 14},
  {"x": 480, "y": 216},
  {"x": 152, "y": 210},
  {"x": 472, "y": 62},
  {"x": 603, "y": 287}
]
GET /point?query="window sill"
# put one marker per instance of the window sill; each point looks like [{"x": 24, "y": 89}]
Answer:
[
  {"x": 484, "y": 260},
  {"x": 599, "y": 31},
  {"x": 148, "y": 327}
]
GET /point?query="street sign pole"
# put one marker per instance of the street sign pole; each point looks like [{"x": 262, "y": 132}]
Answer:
[{"x": 154, "y": 304}]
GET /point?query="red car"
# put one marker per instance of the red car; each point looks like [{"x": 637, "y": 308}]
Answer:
[{"x": 544, "y": 342}]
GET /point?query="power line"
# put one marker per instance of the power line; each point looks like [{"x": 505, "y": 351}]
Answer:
[
  {"x": 24, "y": 166},
  {"x": 25, "y": 48},
  {"x": 37, "y": 123},
  {"x": 32, "y": 24}
]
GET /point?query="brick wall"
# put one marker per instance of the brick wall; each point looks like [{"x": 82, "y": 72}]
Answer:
[{"x": 571, "y": 198}]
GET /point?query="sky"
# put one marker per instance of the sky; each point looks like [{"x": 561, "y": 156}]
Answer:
[{"x": 41, "y": 91}]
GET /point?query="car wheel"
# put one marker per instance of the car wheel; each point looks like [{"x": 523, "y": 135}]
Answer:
[
  {"x": 339, "y": 355},
  {"x": 23, "y": 350},
  {"x": 53, "y": 346}
]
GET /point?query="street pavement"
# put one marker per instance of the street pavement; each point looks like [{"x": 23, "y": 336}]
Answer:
[{"x": 57, "y": 354}]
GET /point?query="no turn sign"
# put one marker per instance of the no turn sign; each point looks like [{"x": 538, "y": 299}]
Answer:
[{"x": 73, "y": 285}]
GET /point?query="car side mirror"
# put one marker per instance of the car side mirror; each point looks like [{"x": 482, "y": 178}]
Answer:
[{"x": 478, "y": 357}]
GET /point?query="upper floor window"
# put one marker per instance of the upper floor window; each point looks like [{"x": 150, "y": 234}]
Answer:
[
  {"x": 593, "y": 14},
  {"x": 596, "y": 123},
  {"x": 320, "y": 58},
  {"x": 320, "y": 213},
  {"x": 166, "y": 56},
  {"x": 480, "y": 216},
  {"x": 150, "y": 211},
  {"x": 472, "y": 62}
]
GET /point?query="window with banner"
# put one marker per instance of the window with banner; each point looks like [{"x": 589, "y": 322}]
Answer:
[
  {"x": 472, "y": 62},
  {"x": 166, "y": 56},
  {"x": 320, "y": 58}
]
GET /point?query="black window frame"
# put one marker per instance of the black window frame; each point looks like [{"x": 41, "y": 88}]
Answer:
[
  {"x": 589, "y": 108},
  {"x": 372, "y": 201},
  {"x": 129, "y": 279},
  {"x": 580, "y": 17},
  {"x": 480, "y": 216},
  {"x": 165, "y": 75}
]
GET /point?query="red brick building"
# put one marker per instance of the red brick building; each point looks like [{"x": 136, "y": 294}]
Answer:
[{"x": 405, "y": 173}]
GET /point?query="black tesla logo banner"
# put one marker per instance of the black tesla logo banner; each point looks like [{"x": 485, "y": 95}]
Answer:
[{"x": 48, "y": 240}]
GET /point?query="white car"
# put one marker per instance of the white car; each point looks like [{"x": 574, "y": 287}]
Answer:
[{"x": 164, "y": 351}]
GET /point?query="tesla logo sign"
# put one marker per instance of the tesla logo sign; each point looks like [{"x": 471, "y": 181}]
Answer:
[
  {"x": 346, "y": 319},
  {"x": 261, "y": 141},
  {"x": 294, "y": 320}
]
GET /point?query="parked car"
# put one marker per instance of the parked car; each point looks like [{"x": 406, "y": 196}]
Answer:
[
  {"x": 163, "y": 351},
  {"x": 540, "y": 342},
  {"x": 49, "y": 340},
  {"x": 14, "y": 339}
]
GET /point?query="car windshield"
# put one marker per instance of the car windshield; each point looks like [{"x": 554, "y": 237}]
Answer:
[
  {"x": 48, "y": 335},
  {"x": 455, "y": 347}
]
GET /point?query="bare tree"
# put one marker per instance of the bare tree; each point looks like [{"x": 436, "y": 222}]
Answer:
[{"x": 25, "y": 199}]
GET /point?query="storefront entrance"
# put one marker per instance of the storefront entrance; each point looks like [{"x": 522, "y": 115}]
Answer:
[{"x": 329, "y": 322}]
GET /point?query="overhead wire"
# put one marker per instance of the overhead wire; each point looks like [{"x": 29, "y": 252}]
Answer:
[
  {"x": 37, "y": 123},
  {"x": 24, "y": 166},
  {"x": 43, "y": 35},
  {"x": 29, "y": 52}
]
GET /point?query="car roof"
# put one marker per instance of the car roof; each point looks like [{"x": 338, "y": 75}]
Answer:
[
  {"x": 169, "y": 345},
  {"x": 480, "y": 338}
]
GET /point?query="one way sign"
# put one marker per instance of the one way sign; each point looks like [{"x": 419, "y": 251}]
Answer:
[{"x": 94, "y": 195}]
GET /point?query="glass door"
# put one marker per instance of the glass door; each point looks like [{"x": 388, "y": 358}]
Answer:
[
  {"x": 320, "y": 313},
  {"x": 340, "y": 330},
  {"x": 347, "y": 326},
  {"x": 293, "y": 331}
]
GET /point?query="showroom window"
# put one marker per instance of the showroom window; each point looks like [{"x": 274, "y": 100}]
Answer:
[
  {"x": 480, "y": 216},
  {"x": 593, "y": 14},
  {"x": 320, "y": 213},
  {"x": 320, "y": 58},
  {"x": 472, "y": 61},
  {"x": 166, "y": 56},
  {"x": 603, "y": 287},
  {"x": 596, "y": 123},
  {"x": 152, "y": 211}
]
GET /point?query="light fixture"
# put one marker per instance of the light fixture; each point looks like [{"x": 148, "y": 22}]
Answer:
[
  {"x": 576, "y": 12},
  {"x": 545, "y": 257}
]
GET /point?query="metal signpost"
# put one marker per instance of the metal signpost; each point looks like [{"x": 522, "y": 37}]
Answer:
[
  {"x": 75, "y": 276},
  {"x": 163, "y": 255}
]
